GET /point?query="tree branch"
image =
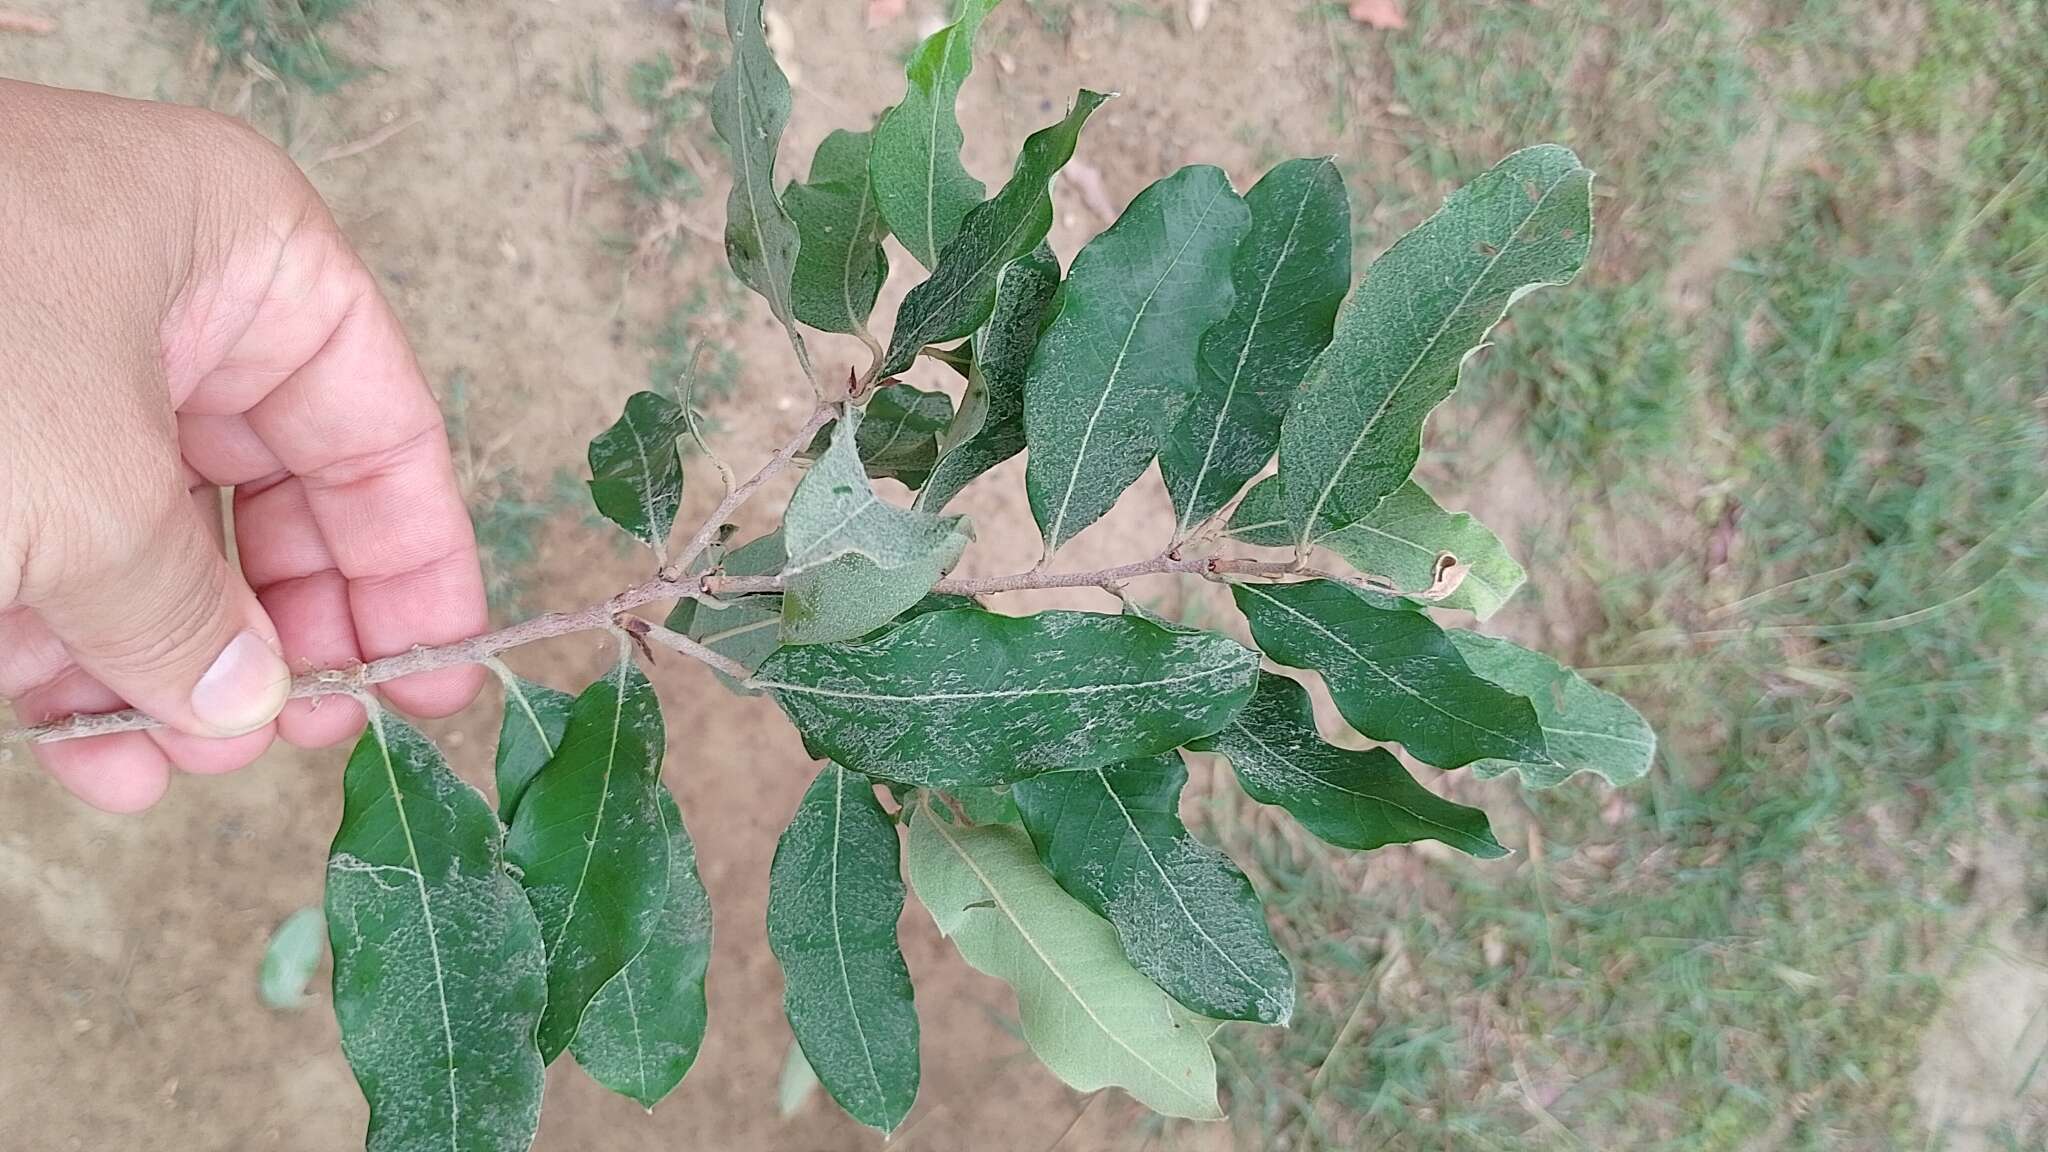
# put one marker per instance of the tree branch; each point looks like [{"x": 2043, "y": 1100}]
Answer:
[{"x": 672, "y": 584}]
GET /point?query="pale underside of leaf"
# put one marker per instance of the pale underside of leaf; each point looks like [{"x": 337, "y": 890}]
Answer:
[
  {"x": 1089, "y": 1016},
  {"x": 749, "y": 108}
]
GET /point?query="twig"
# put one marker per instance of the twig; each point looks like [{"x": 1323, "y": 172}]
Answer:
[{"x": 820, "y": 416}]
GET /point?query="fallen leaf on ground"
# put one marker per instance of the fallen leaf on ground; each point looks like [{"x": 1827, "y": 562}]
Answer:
[
  {"x": 1378, "y": 13},
  {"x": 1198, "y": 13}
]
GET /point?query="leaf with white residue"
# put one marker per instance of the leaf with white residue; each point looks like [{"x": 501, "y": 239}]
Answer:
[
  {"x": 439, "y": 975},
  {"x": 835, "y": 892},
  {"x": 642, "y": 1030},
  {"x": 1114, "y": 372},
  {"x": 967, "y": 697},
  {"x": 1393, "y": 673},
  {"x": 1584, "y": 728},
  {"x": 962, "y": 289},
  {"x": 1290, "y": 273},
  {"x": 1425, "y": 306},
  {"x": 840, "y": 264},
  {"x": 990, "y": 426},
  {"x": 855, "y": 560},
  {"x": 637, "y": 472},
  {"x": 1185, "y": 914},
  {"x": 589, "y": 845},
  {"x": 535, "y": 717},
  {"x": 1090, "y": 1016},
  {"x": 924, "y": 190},
  {"x": 1350, "y": 797}
]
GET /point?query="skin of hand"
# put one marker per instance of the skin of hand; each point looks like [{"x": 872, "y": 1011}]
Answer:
[{"x": 179, "y": 315}]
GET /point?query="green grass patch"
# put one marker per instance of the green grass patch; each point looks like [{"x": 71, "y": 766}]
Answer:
[{"x": 283, "y": 36}]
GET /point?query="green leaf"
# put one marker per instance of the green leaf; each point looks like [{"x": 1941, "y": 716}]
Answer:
[
  {"x": 589, "y": 847},
  {"x": 990, "y": 426},
  {"x": 855, "y": 560},
  {"x": 968, "y": 697},
  {"x": 438, "y": 971},
  {"x": 637, "y": 472},
  {"x": 840, "y": 264},
  {"x": 986, "y": 805},
  {"x": 1114, "y": 372},
  {"x": 1290, "y": 272},
  {"x": 642, "y": 1030},
  {"x": 747, "y": 628},
  {"x": 1185, "y": 914},
  {"x": 1404, "y": 540},
  {"x": 924, "y": 190},
  {"x": 293, "y": 953},
  {"x": 749, "y": 109},
  {"x": 835, "y": 893},
  {"x": 1425, "y": 306},
  {"x": 1584, "y": 728},
  {"x": 1392, "y": 671},
  {"x": 1090, "y": 1016},
  {"x": 535, "y": 717},
  {"x": 962, "y": 290},
  {"x": 900, "y": 430},
  {"x": 1350, "y": 797}
]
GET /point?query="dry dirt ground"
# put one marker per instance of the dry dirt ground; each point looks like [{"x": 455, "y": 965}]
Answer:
[{"x": 129, "y": 1014}]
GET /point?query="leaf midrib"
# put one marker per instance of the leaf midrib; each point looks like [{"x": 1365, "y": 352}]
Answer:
[
  {"x": 597, "y": 825},
  {"x": 839, "y": 944},
  {"x": 993, "y": 694},
  {"x": 1324, "y": 781}
]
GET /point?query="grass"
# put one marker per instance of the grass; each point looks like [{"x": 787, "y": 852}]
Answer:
[
  {"x": 1744, "y": 950},
  {"x": 281, "y": 36}
]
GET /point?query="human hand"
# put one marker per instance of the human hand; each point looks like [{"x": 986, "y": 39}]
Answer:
[{"x": 179, "y": 314}]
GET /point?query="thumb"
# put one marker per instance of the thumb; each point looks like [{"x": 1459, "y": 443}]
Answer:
[{"x": 165, "y": 622}]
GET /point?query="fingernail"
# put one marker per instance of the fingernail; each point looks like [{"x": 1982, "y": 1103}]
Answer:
[{"x": 244, "y": 690}]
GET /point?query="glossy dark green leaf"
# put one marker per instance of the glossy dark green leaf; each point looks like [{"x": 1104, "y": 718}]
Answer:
[
  {"x": 588, "y": 844},
  {"x": 1393, "y": 673},
  {"x": 856, "y": 561},
  {"x": 1185, "y": 914},
  {"x": 840, "y": 264},
  {"x": 961, "y": 292},
  {"x": 1403, "y": 541},
  {"x": 1115, "y": 371},
  {"x": 1584, "y": 728},
  {"x": 439, "y": 975},
  {"x": 1290, "y": 272},
  {"x": 642, "y": 1030},
  {"x": 1350, "y": 797},
  {"x": 968, "y": 697},
  {"x": 749, "y": 109},
  {"x": 990, "y": 426},
  {"x": 535, "y": 717},
  {"x": 1425, "y": 306},
  {"x": 637, "y": 471},
  {"x": 1090, "y": 1016},
  {"x": 924, "y": 190},
  {"x": 835, "y": 893},
  {"x": 899, "y": 436}
]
